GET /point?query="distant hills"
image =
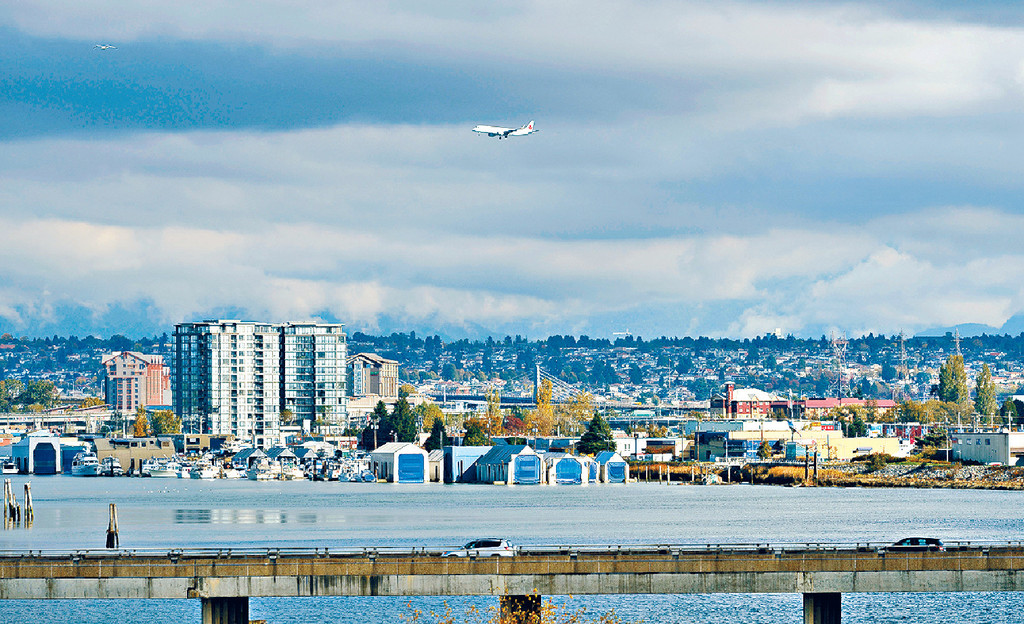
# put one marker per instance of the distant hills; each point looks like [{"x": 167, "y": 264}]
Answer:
[{"x": 1013, "y": 326}]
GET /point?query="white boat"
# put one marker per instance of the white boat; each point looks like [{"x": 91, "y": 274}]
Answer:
[
  {"x": 164, "y": 470},
  {"x": 260, "y": 471},
  {"x": 184, "y": 471},
  {"x": 232, "y": 473},
  {"x": 8, "y": 467},
  {"x": 291, "y": 473},
  {"x": 85, "y": 465},
  {"x": 111, "y": 467},
  {"x": 203, "y": 471}
]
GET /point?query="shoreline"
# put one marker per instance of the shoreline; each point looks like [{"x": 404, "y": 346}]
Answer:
[{"x": 918, "y": 475}]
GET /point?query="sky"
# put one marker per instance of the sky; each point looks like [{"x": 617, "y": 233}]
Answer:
[{"x": 719, "y": 168}]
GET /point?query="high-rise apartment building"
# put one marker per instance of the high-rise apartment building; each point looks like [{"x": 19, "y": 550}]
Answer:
[
  {"x": 239, "y": 378},
  {"x": 314, "y": 371},
  {"x": 133, "y": 380}
]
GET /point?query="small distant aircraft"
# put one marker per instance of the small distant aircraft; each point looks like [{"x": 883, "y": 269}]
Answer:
[
  {"x": 103, "y": 46},
  {"x": 504, "y": 133}
]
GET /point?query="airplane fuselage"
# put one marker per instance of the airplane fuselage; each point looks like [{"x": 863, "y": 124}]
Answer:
[{"x": 504, "y": 133}]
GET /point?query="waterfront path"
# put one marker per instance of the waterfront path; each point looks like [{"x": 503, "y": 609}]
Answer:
[{"x": 224, "y": 579}]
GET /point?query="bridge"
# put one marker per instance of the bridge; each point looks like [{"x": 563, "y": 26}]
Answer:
[{"x": 225, "y": 579}]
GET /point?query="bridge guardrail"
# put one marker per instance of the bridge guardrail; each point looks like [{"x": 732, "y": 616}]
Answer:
[{"x": 540, "y": 550}]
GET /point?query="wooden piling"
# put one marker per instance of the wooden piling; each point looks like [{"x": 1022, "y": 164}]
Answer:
[
  {"x": 29, "y": 513},
  {"x": 112, "y": 537}
]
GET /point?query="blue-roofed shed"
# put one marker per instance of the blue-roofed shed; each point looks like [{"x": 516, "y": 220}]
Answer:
[
  {"x": 565, "y": 469},
  {"x": 614, "y": 468},
  {"x": 460, "y": 462}
]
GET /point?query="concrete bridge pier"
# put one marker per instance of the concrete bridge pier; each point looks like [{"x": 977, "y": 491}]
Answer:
[
  {"x": 226, "y": 610},
  {"x": 520, "y": 609},
  {"x": 823, "y": 608}
]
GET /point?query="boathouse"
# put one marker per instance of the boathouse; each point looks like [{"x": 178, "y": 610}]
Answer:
[
  {"x": 511, "y": 464},
  {"x": 37, "y": 453},
  {"x": 614, "y": 468},
  {"x": 565, "y": 469},
  {"x": 399, "y": 462},
  {"x": 460, "y": 462},
  {"x": 244, "y": 458}
]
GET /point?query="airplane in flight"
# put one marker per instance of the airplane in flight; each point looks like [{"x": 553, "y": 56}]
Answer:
[
  {"x": 103, "y": 46},
  {"x": 504, "y": 133}
]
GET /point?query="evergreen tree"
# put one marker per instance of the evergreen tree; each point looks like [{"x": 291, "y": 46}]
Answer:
[
  {"x": 438, "y": 437},
  {"x": 985, "y": 393},
  {"x": 403, "y": 423},
  {"x": 377, "y": 432},
  {"x": 597, "y": 438}
]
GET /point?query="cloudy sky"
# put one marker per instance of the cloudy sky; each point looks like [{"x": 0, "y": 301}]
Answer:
[{"x": 702, "y": 168}]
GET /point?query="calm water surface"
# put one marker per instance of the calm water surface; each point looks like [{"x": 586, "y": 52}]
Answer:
[{"x": 157, "y": 513}]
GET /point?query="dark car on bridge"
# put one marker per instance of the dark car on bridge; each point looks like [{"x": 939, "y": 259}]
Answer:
[{"x": 917, "y": 544}]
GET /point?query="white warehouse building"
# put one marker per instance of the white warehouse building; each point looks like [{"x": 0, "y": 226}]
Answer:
[{"x": 1003, "y": 447}]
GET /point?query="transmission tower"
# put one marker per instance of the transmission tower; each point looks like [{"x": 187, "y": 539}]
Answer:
[
  {"x": 899, "y": 393},
  {"x": 840, "y": 384},
  {"x": 956, "y": 342}
]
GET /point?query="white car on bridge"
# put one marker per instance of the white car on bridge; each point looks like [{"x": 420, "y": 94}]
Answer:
[{"x": 486, "y": 547}]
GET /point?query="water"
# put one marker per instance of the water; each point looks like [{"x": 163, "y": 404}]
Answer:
[{"x": 166, "y": 513}]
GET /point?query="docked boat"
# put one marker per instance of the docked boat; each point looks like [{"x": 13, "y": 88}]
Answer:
[
  {"x": 8, "y": 467},
  {"x": 291, "y": 473},
  {"x": 203, "y": 470},
  {"x": 164, "y": 470},
  {"x": 85, "y": 465},
  {"x": 260, "y": 471},
  {"x": 111, "y": 467}
]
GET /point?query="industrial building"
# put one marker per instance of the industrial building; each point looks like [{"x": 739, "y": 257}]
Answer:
[{"x": 1002, "y": 447}]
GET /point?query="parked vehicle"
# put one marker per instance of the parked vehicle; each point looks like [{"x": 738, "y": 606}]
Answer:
[
  {"x": 918, "y": 544},
  {"x": 486, "y": 547}
]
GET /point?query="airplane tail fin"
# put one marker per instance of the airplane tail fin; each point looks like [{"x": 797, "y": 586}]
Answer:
[{"x": 529, "y": 126}]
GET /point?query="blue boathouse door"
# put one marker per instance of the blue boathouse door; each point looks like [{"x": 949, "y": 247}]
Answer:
[
  {"x": 527, "y": 470},
  {"x": 410, "y": 468}
]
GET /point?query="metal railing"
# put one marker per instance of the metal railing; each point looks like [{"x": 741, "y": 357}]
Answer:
[{"x": 538, "y": 550}]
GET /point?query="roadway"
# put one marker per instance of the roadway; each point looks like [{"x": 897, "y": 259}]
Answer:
[{"x": 228, "y": 577}]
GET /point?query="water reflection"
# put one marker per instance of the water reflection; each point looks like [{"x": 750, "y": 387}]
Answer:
[{"x": 239, "y": 516}]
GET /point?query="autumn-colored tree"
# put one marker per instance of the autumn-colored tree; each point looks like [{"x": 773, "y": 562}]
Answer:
[
  {"x": 141, "y": 427},
  {"x": 571, "y": 417},
  {"x": 92, "y": 402},
  {"x": 476, "y": 435},
  {"x": 541, "y": 420},
  {"x": 427, "y": 413},
  {"x": 165, "y": 423},
  {"x": 493, "y": 420}
]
